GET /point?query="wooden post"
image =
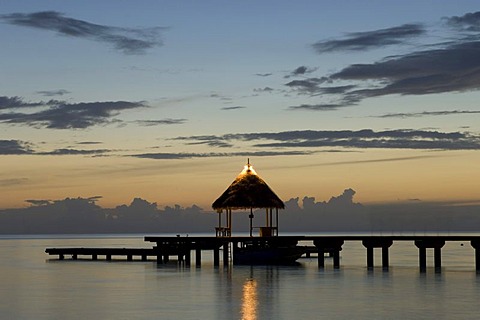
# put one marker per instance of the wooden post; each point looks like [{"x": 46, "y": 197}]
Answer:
[
  {"x": 216, "y": 257},
  {"x": 422, "y": 258},
  {"x": 370, "y": 257},
  {"x": 129, "y": 257},
  {"x": 336, "y": 259},
  {"x": 198, "y": 257},
  {"x": 321, "y": 257},
  {"x": 225, "y": 253},
  {"x": 187, "y": 257},
  {"x": 385, "y": 259},
  {"x": 251, "y": 222},
  {"x": 437, "y": 256}
]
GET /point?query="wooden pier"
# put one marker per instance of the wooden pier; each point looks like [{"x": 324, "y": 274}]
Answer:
[{"x": 182, "y": 247}]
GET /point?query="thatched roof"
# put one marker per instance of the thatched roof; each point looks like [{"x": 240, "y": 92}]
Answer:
[{"x": 248, "y": 191}]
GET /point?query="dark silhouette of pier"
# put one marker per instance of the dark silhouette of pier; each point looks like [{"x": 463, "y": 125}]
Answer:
[{"x": 181, "y": 248}]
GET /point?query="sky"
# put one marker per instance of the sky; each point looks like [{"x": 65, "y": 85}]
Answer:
[{"x": 166, "y": 100}]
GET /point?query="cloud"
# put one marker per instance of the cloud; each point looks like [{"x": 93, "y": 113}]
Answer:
[
  {"x": 447, "y": 65},
  {"x": 170, "y": 156},
  {"x": 150, "y": 123},
  {"x": 126, "y": 40},
  {"x": 265, "y": 89},
  {"x": 300, "y": 71},
  {"x": 61, "y": 115},
  {"x": 318, "y": 107},
  {"x": 233, "y": 108},
  {"x": 367, "y": 138},
  {"x": 359, "y": 41},
  {"x": 467, "y": 22},
  {"x": 263, "y": 74},
  {"x": 12, "y": 147},
  {"x": 455, "y": 68},
  {"x": 17, "y": 102},
  {"x": 89, "y": 142},
  {"x": 69, "y": 151},
  {"x": 17, "y": 147},
  {"x": 426, "y": 113},
  {"x": 51, "y": 93},
  {"x": 307, "y": 86}
]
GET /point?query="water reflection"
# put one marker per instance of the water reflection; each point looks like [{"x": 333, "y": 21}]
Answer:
[{"x": 249, "y": 300}]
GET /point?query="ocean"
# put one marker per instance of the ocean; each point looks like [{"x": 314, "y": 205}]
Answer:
[{"x": 37, "y": 286}]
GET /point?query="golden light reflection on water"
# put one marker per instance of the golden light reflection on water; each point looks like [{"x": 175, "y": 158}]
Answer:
[{"x": 249, "y": 300}]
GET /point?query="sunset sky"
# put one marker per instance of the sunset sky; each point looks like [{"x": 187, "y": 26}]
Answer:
[{"x": 166, "y": 100}]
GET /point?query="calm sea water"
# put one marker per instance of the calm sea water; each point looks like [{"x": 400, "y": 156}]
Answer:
[{"x": 35, "y": 286}]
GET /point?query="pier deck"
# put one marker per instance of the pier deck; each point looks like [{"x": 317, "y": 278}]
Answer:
[{"x": 181, "y": 247}]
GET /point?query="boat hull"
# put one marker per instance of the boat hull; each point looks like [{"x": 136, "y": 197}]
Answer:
[{"x": 267, "y": 256}]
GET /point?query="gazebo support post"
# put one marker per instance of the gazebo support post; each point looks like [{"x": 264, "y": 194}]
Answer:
[
  {"x": 251, "y": 222},
  {"x": 276, "y": 219}
]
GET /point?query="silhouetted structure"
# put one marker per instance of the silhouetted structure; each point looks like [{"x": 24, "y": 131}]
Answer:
[{"x": 248, "y": 191}]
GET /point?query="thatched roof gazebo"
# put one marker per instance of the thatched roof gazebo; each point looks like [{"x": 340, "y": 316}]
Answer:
[{"x": 248, "y": 191}]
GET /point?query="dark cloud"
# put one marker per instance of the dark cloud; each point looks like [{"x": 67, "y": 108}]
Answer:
[
  {"x": 150, "y": 123},
  {"x": 467, "y": 22},
  {"x": 125, "y": 40},
  {"x": 11, "y": 147},
  {"x": 393, "y": 139},
  {"x": 446, "y": 66},
  {"x": 68, "y": 151},
  {"x": 265, "y": 89},
  {"x": 318, "y": 107},
  {"x": 17, "y": 102},
  {"x": 358, "y": 41},
  {"x": 233, "y": 108},
  {"x": 307, "y": 86},
  {"x": 263, "y": 74},
  {"x": 300, "y": 71},
  {"x": 51, "y": 93},
  {"x": 34, "y": 202},
  {"x": 71, "y": 115},
  {"x": 169, "y": 156},
  {"x": 426, "y": 113},
  {"x": 89, "y": 142},
  {"x": 455, "y": 68}
]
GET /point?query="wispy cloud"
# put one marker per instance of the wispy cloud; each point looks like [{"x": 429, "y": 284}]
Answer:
[
  {"x": 169, "y": 156},
  {"x": 51, "y": 93},
  {"x": 233, "y": 108},
  {"x": 358, "y": 41},
  {"x": 264, "y": 74},
  {"x": 318, "y": 107},
  {"x": 69, "y": 152},
  {"x": 12, "y": 182},
  {"x": 363, "y": 139},
  {"x": 151, "y": 123},
  {"x": 125, "y": 40},
  {"x": 62, "y": 115},
  {"x": 426, "y": 114},
  {"x": 300, "y": 71}
]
